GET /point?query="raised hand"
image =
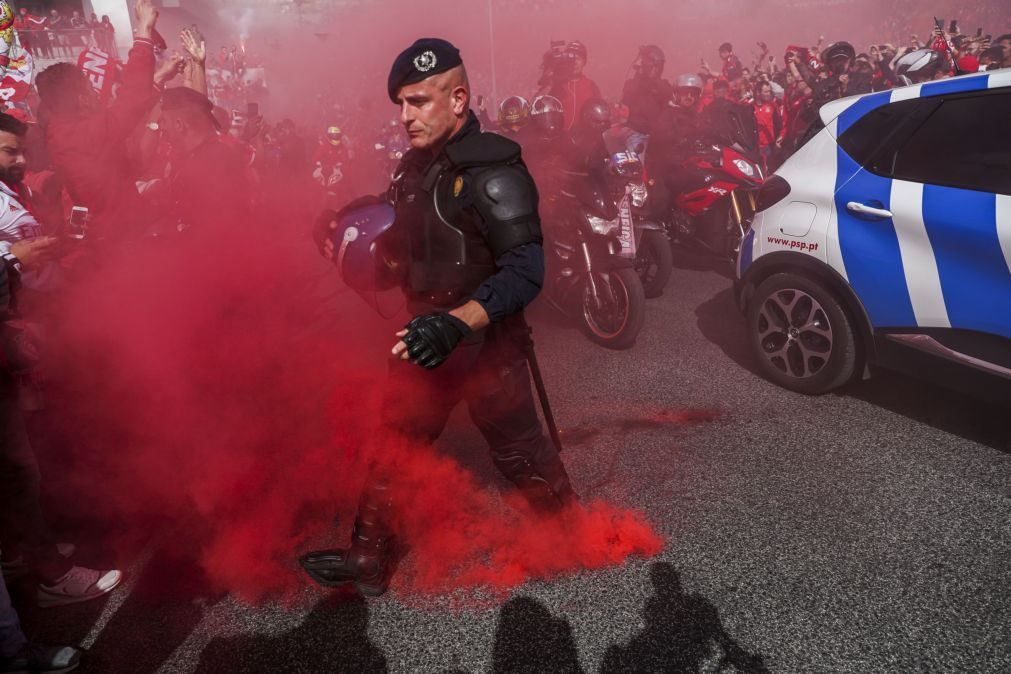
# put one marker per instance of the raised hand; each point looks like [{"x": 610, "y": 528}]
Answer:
[
  {"x": 147, "y": 17},
  {"x": 194, "y": 44}
]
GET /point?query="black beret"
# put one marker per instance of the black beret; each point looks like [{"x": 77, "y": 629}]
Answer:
[{"x": 426, "y": 57}]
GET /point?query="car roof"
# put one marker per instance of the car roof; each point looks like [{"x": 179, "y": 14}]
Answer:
[{"x": 864, "y": 103}]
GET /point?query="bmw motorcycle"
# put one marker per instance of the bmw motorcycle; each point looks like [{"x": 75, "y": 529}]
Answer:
[
  {"x": 591, "y": 277},
  {"x": 713, "y": 198}
]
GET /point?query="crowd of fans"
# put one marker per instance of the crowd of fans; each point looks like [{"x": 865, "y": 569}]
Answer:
[
  {"x": 174, "y": 154},
  {"x": 56, "y": 35},
  {"x": 81, "y": 178}
]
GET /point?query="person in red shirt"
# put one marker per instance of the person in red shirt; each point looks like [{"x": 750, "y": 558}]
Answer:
[
  {"x": 88, "y": 141},
  {"x": 771, "y": 129},
  {"x": 566, "y": 82}
]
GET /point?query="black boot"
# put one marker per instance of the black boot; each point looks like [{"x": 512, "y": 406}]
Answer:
[
  {"x": 368, "y": 567},
  {"x": 545, "y": 486},
  {"x": 371, "y": 559}
]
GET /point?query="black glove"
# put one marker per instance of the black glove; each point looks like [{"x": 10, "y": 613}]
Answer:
[{"x": 431, "y": 339}]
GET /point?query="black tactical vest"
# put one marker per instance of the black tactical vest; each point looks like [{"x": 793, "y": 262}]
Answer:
[{"x": 448, "y": 257}]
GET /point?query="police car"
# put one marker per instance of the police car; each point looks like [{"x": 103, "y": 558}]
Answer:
[{"x": 885, "y": 240}]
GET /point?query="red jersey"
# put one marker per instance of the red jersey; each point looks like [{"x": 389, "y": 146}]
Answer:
[
  {"x": 770, "y": 124},
  {"x": 572, "y": 94}
]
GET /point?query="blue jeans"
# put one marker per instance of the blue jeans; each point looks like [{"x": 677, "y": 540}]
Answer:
[{"x": 12, "y": 639}]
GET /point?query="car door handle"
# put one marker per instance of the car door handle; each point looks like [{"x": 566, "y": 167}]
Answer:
[{"x": 863, "y": 209}]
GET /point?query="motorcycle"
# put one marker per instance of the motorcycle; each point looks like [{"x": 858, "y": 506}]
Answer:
[
  {"x": 714, "y": 198},
  {"x": 390, "y": 148},
  {"x": 643, "y": 240},
  {"x": 590, "y": 277}
]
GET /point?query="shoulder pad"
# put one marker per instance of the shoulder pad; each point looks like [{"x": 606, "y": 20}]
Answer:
[
  {"x": 482, "y": 149},
  {"x": 505, "y": 198}
]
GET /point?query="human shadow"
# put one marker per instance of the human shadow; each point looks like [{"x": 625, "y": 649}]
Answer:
[
  {"x": 683, "y": 633},
  {"x": 529, "y": 639},
  {"x": 164, "y": 606},
  {"x": 332, "y": 638}
]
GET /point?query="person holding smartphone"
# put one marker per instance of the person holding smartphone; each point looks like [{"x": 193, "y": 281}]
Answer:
[{"x": 27, "y": 257}]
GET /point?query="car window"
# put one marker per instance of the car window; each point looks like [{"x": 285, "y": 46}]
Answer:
[
  {"x": 965, "y": 143},
  {"x": 873, "y": 139}
]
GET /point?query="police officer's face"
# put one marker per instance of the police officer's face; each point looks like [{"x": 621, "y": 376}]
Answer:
[{"x": 432, "y": 110}]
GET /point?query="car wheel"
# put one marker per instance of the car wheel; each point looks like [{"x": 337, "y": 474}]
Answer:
[{"x": 800, "y": 334}]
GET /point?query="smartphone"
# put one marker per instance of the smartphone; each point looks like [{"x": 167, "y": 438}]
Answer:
[
  {"x": 78, "y": 226},
  {"x": 979, "y": 32},
  {"x": 939, "y": 23},
  {"x": 953, "y": 26},
  {"x": 252, "y": 110}
]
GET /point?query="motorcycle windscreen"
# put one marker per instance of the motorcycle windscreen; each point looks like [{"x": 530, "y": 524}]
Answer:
[{"x": 361, "y": 257}]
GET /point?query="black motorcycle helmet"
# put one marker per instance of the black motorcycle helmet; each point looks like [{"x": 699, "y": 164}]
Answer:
[
  {"x": 548, "y": 114},
  {"x": 513, "y": 113},
  {"x": 576, "y": 49},
  {"x": 595, "y": 114},
  {"x": 838, "y": 56},
  {"x": 650, "y": 61}
]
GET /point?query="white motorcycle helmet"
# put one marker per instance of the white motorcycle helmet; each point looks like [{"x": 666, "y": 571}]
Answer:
[{"x": 919, "y": 65}]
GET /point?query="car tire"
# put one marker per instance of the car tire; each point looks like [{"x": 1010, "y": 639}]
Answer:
[{"x": 800, "y": 334}]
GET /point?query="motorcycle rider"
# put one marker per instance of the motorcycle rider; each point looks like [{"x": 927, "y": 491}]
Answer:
[
  {"x": 543, "y": 139},
  {"x": 587, "y": 151},
  {"x": 513, "y": 115},
  {"x": 646, "y": 93},
  {"x": 676, "y": 132},
  {"x": 562, "y": 77},
  {"x": 728, "y": 122},
  {"x": 468, "y": 305}
]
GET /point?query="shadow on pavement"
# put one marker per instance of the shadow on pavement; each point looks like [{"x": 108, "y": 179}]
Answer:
[
  {"x": 332, "y": 638},
  {"x": 970, "y": 418},
  {"x": 685, "y": 257},
  {"x": 722, "y": 324},
  {"x": 683, "y": 633},
  {"x": 166, "y": 601},
  {"x": 530, "y": 639}
]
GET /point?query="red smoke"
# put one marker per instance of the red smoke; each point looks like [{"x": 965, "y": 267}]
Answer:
[{"x": 205, "y": 384}]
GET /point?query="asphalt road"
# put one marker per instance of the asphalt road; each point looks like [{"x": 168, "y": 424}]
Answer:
[{"x": 863, "y": 531}]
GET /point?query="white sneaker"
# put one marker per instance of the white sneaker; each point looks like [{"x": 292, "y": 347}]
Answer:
[
  {"x": 79, "y": 584},
  {"x": 18, "y": 567}
]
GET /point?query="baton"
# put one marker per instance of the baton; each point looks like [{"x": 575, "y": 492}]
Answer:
[{"x": 542, "y": 393}]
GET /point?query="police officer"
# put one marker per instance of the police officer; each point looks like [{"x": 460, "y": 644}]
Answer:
[{"x": 467, "y": 246}]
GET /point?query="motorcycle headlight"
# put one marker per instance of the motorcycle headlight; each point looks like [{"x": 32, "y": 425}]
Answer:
[
  {"x": 639, "y": 195},
  {"x": 602, "y": 226},
  {"x": 744, "y": 167}
]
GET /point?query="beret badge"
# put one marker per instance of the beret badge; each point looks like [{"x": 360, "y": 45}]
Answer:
[{"x": 425, "y": 61}]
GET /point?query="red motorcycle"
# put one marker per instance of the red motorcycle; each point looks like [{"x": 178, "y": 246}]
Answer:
[{"x": 713, "y": 198}]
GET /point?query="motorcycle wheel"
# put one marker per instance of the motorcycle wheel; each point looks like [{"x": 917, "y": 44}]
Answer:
[
  {"x": 654, "y": 262},
  {"x": 617, "y": 322}
]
